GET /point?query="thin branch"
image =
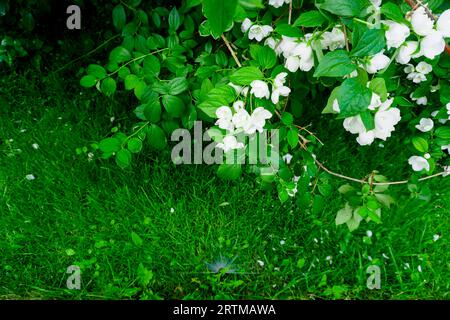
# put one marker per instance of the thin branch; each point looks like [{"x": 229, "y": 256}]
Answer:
[
  {"x": 231, "y": 51},
  {"x": 345, "y": 36},
  {"x": 87, "y": 54},
  {"x": 290, "y": 12}
]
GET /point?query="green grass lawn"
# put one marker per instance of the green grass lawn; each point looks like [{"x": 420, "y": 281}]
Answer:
[{"x": 160, "y": 231}]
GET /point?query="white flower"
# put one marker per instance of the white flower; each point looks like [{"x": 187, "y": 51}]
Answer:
[
  {"x": 366, "y": 138},
  {"x": 424, "y": 67},
  {"x": 279, "y": 89},
  {"x": 238, "y": 105},
  {"x": 447, "y": 171},
  {"x": 443, "y": 24},
  {"x": 416, "y": 77},
  {"x": 436, "y": 237},
  {"x": 396, "y": 34},
  {"x": 419, "y": 268},
  {"x": 419, "y": 163},
  {"x": 246, "y": 24},
  {"x": 421, "y": 101},
  {"x": 260, "y": 262},
  {"x": 257, "y": 120},
  {"x": 376, "y": 3},
  {"x": 377, "y": 62},
  {"x": 385, "y": 121},
  {"x": 225, "y": 117},
  {"x": 300, "y": 57},
  {"x": 230, "y": 143},
  {"x": 408, "y": 51},
  {"x": 172, "y": 210},
  {"x": 280, "y": 79},
  {"x": 433, "y": 44},
  {"x": 35, "y": 146},
  {"x": 369, "y": 233},
  {"x": 375, "y": 102},
  {"x": 425, "y": 125},
  {"x": 282, "y": 242},
  {"x": 278, "y": 3},
  {"x": 447, "y": 147},
  {"x": 258, "y": 32},
  {"x": 287, "y": 158},
  {"x": 333, "y": 40},
  {"x": 241, "y": 118},
  {"x": 448, "y": 108},
  {"x": 286, "y": 45},
  {"x": 30, "y": 177},
  {"x": 260, "y": 89},
  {"x": 354, "y": 124},
  {"x": 421, "y": 23}
]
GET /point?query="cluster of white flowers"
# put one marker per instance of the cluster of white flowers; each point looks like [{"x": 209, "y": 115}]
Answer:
[
  {"x": 260, "y": 89},
  {"x": 418, "y": 74},
  {"x": 433, "y": 42},
  {"x": 385, "y": 120},
  {"x": 239, "y": 121},
  {"x": 333, "y": 40}
]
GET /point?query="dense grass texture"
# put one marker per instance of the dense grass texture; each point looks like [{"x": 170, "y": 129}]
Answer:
[{"x": 157, "y": 231}]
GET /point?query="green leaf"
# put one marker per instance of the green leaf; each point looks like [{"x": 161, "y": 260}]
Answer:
[
  {"x": 136, "y": 239},
  {"x": 353, "y": 97},
  {"x": 88, "y": 81},
  {"x": 97, "y": 71},
  {"x": 173, "y": 105},
  {"x": 344, "y": 215},
  {"x": 135, "y": 145},
  {"x": 292, "y": 137},
  {"x": 335, "y": 64},
  {"x": 156, "y": 137},
  {"x": 310, "y": 19},
  {"x": 371, "y": 42},
  {"x": 177, "y": 86},
  {"x": 287, "y": 118},
  {"x": 264, "y": 55},
  {"x": 229, "y": 171},
  {"x": 378, "y": 85},
  {"x": 385, "y": 199},
  {"x": 119, "y": 55},
  {"x": 110, "y": 145},
  {"x": 119, "y": 17},
  {"x": 420, "y": 144},
  {"x": 108, "y": 86},
  {"x": 333, "y": 96},
  {"x": 443, "y": 132},
  {"x": 152, "y": 111},
  {"x": 346, "y": 8},
  {"x": 219, "y": 14},
  {"x": 123, "y": 158},
  {"x": 393, "y": 12},
  {"x": 368, "y": 120},
  {"x": 174, "y": 19},
  {"x": 152, "y": 66},
  {"x": 217, "y": 97},
  {"x": 131, "y": 81},
  {"x": 244, "y": 76},
  {"x": 289, "y": 31}
]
